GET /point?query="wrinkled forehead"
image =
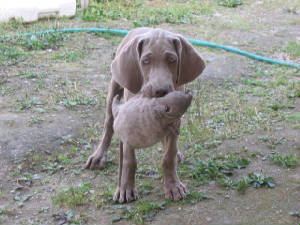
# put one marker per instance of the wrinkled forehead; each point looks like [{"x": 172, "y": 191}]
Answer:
[{"x": 158, "y": 41}]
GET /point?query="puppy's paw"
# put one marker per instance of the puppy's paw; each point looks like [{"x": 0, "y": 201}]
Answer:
[
  {"x": 96, "y": 161},
  {"x": 175, "y": 191},
  {"x": 123, "y": 195}
]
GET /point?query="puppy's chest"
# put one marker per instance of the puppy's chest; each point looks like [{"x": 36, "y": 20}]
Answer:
[{"x": 138, "y": 126}]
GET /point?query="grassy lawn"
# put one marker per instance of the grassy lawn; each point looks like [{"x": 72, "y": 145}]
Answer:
[{"x": 239, "y": 137}]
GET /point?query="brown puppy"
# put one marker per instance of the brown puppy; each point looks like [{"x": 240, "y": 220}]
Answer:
[
  {"x": 142, "y": 122},
  {"x": 156, "y": 62}
]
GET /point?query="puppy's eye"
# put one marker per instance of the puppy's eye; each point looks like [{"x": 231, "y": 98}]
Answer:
[
  {"x": 146, "y": 61},
  {"x": 171, "y": 59}
]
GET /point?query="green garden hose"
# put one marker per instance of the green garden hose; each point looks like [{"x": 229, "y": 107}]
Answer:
[{"x": 193, "y": 41}]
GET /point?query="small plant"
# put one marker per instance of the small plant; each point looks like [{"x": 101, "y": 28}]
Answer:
[
  {"x": 35, "y": 119},
  {"x": 142, "y": 211},
  {"x": 30, "y": 74},
  {"x": 10, "y": 55},
  {"x": 271, "y": 142},
  {"x": 28, "y": 103},
  {"x": 64, "y": 159},
  {"x": 287, "y": 160},
  {"x": 42, "y": 41},
  {"x": 103, "y": 198},
  {"x": 69, "y": 56},
  {"x": 230, "y": 3},
  {"x": 195, "y": 197},
  {"x": 73, "y": 196},
  {"x": 255, "y": 179},
  {"x": 251, "y": 82},
  {"x": 293, "y": 49},
  {"x": 4, "y": 91},
  {"x": 51, "y": 167}
]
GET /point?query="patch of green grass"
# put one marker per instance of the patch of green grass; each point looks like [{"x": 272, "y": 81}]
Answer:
[
  {"x": 69, "y": 56},
  {"x": 65, "y": 159},
  {"x": 194, "y": 197},
  {"x": 73, "y": 196},
  {"x": 51, "y": 167},
  {"x": 35, "y": 119},
  {"x": 12, "y": 25},
  {"x": 146, "y": 187},
  {"x": 112, "y": 38},
  {"x": 143, "y": 13},
  {"x": 230, "y": 3},
  {"x": 293, "y": 49},
  {"x": 42, "y": 41},
  {"x": 103, "y": 198},
  {"x": 204, "y": 171},
  {"x": 271, "y": 142},
  {"x": 142, "y": 211},
  {"x": 251, "y": 82},
  {"x": 27, "y": 103},
  {"x": 71, "y": 95},
  {"x": 72, "y": 101},
  {"x": 4, "y": 91},
  {"x": 255, "y": 179},
  {"x": 10, "y": 55},
  {"x": 284, "y": 160},
  {"x": 31, "y": 74}
]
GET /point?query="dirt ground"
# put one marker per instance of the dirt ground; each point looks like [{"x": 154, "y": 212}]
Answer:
[{"x": 45, "y": 143}]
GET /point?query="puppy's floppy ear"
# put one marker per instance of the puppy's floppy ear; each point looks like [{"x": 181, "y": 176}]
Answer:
[
  {"x": 190, "y": 64},
  {"x": 125, "y": 67}
]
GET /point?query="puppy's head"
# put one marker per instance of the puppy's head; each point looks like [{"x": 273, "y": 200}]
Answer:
[{"x": 173, "y": 105}]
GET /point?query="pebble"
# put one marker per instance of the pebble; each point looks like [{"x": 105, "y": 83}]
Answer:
[{"x": 208, "y": 219}]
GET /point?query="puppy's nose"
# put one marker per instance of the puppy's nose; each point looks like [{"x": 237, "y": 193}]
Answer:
[{"x": 161, "y": 91}]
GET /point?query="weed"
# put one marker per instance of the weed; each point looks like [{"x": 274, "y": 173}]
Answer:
[
  {"x": 146, "y": 14},
  {"x": 103, "y": 198},
  {"x": 212, "y": 169},
  {"x": 271, "y": 142},
  {"x": 255, "y": 179},
  {"x": 230, "y": 3},
  {"x": 42, "y": 41},
  {"x": 35, "y": 119},
  {"x": 112, "y": 38},
  {"x": 64, "y": 159},
  {"x": 194, "y": 197},
  {"x": 26, "y": 103},
  {"x": 51, "y": 167},
  {"x": 252, "y": 82},
  {"x": 142, "y": 211},
  {"x": 10, "y": 55},
  {"x": 242, "y": 184},
  {"x": 286, "y": 160},
  {"x": 30, "y": 74},
  {"x": 69, "y": 56},
  {"x": 146, "y": 187},
  {"x": 71, "y": 98},
  {"x": 293, "y": 49},
  {"x": 73, "y": 196},
  {"x": 294, "y": 118},
  {"x": 4, "y": 91}
]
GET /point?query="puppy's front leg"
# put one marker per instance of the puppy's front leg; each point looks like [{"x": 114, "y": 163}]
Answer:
[
  {"x": 173, "y": 187},
  {"x": 126, "y": 191}
]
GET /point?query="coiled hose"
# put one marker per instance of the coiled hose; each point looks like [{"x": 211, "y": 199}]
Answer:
[{"x": 193, "y": 41}]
